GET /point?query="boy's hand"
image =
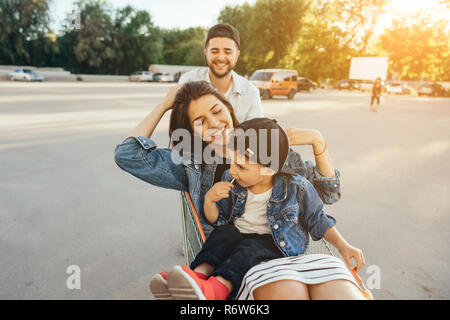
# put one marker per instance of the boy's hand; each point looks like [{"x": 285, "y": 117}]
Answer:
[
  {"x": 219, "y": 191},
  {"x": 348, "y": 252}
]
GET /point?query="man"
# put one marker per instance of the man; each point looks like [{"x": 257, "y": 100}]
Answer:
[{"x": 222, "y": 52}]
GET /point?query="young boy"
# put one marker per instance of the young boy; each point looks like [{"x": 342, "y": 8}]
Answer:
[{"x": 259, "y": 214}]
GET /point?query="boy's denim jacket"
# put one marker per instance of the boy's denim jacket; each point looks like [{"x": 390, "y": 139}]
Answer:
[
  {"x": 294, "y": 210},
  {"x": 140, "y": 157}
]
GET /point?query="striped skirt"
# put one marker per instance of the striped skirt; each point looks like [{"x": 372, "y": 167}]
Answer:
[{"x": 308, "y": 269}]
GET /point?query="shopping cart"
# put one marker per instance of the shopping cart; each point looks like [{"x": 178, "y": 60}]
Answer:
[{"x": 194, "y": 237}]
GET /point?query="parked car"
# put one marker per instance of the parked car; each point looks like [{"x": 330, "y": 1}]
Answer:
[
  {"x": 305, "y": 84},
  {"x": 25, "y": 75},
  {"x": 394, "y": 88},
  {"x": 178, "y": 75},
  {"x": 432, "y": 89},
  {"x": 275, "y": 82},
  {"x": 163, "y": 77},
  {"x": 365, "y": 85},
  {"x": 398, "y": 88},
  {"x": 347, "y": 84},
  {"x": 141, "y": 76}
]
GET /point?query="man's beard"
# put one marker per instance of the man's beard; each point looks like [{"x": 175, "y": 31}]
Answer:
[{"x": 217, "y": 75}]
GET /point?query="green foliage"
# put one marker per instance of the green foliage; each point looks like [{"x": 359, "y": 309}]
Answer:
[
  {"x": 23, "y": 26},
  {"x": 111, "y": 42},
  {"x": 135, "y": 41},
  {"x": 268, "y": 30},
  {"x": 357, "y": 19},
  {"x": 319, "y": 53},
  {"x": 315, "y": 37},
  {"x": 418, "y": 47},
  {"x": 184, "y": 47}
]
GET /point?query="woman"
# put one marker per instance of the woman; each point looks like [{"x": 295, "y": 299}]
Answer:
[
  {"x": 376, "y": 93},
  {"x": 204, "y": 112}
]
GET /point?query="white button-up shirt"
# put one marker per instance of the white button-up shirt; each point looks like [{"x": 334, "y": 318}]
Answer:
[{"x": 243, "y": 96}]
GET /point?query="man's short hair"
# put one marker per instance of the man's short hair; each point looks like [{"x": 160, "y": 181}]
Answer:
[{"x": 224, "y": 30}]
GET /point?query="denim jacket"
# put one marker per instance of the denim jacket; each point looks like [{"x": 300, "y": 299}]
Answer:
[
  {"x": 140, "y": 157},
  {"x": 294, "y": 210}
]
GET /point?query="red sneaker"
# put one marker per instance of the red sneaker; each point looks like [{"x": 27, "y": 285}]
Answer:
[
  {"x": 159, "y": 288},
  {"x": 185, "y": 284}
]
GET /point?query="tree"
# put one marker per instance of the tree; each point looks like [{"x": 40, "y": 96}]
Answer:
[
  {"x": 135, "y": 41},
  {"x": 92, "y": 45},
  {"x": 268, "y": 30},
  {"x": 22, "y": 22},
  {"x": 184, "y": 47},
  {"x": 319, "y": 52},
  {"x": 417, "y": 46},
  {"x": 110, "y": 41},
  {"x": 357, "y": 19}
]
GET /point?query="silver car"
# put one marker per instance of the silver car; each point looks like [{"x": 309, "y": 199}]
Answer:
[
  {"x": 141, "y": 76},
  {"x": 166, "y": 77},
  {"x": 25, "y": 75}
]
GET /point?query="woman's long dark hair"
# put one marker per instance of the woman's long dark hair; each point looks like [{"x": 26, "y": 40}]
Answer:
[{"x": 189, "y": 92}]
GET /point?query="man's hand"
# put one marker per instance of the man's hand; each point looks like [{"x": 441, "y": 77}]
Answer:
[{"x": 219, "y": 191}]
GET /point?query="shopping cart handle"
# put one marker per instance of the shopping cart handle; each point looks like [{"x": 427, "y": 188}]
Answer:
[{"x": 362, "y": 287}]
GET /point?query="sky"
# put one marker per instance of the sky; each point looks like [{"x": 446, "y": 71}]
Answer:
[{"x": 165, "y": 13}]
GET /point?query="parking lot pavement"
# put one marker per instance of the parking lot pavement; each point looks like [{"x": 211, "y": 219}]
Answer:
[{"x": 65, "y": 202}]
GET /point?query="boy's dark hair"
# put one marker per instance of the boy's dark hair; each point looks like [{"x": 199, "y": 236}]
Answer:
[
  {"x": 224, "y": 30},
  {"x": 264, "y": 142}
]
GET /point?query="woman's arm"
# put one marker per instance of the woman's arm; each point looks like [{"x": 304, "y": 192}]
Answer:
[
  {"x": 139, "y": 155},
  {"x": 146, "y": 127},
  {"x": 346, "y": 250},
  {"x": 314, "y": 138},
  {"x": 322, "y": 173}
]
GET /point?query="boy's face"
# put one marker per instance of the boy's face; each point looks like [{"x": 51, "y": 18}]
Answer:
[{"x": 248, "y": 173}]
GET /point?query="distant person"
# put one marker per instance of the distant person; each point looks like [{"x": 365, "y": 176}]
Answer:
[
  {"x": 376, "y": 94},
  {"x": 222, "y": 49}
]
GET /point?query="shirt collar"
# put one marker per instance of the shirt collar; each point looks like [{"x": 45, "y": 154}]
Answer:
[{"x": 237, "y": 85}]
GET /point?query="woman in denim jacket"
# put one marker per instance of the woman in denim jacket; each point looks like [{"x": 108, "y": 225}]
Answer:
[{"x": 204, "y": 112}]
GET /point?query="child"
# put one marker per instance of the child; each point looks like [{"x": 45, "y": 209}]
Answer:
[{"x": 264, "y": 215}]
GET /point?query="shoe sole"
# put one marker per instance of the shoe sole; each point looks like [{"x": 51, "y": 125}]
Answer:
[
  {"x": 182, "y": 286},
  {"x": 159, "y": 288}
]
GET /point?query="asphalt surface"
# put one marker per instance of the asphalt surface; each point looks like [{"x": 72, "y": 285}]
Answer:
[{"x": 63, "y": 200}]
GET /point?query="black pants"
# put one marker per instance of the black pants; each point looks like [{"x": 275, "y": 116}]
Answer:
[
  {"x": 373, "y": 98},
  {"x": 232, "y": 253}
]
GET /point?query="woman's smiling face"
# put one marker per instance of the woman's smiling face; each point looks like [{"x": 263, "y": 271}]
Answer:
[{"x": 210, "y": 119}]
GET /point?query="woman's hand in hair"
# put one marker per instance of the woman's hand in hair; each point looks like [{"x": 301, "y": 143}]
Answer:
[
  {"x": 169, "y": 100},
  {"x": 302, "y": 137}
]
